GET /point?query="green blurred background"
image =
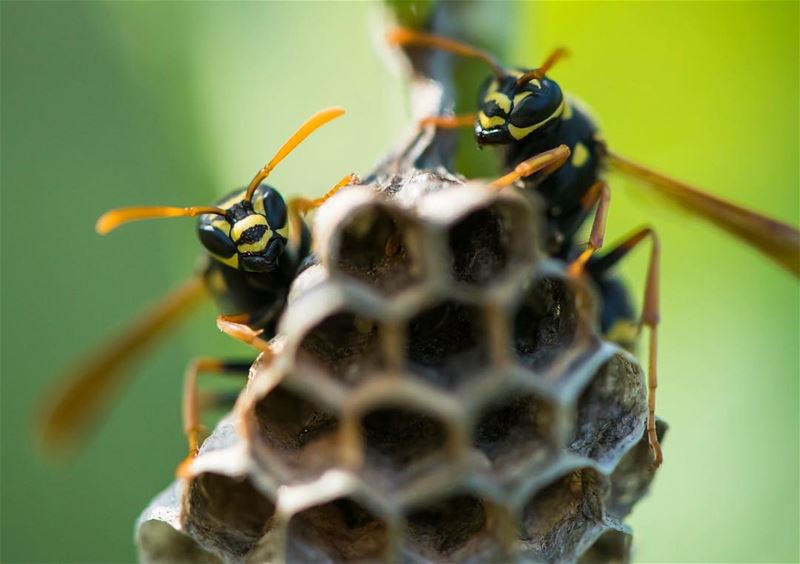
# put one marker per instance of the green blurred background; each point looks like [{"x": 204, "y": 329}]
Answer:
[{"x": 106, "y": 105}]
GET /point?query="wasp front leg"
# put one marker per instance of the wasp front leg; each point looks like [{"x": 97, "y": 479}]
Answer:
[
  {"x": 298, "y": 207},
  {"x": 192, "y": 404},
  {"x": 544, "y": 164},
  {"x": 598, "y": 195},
  {"x": 237, "y": 326}
]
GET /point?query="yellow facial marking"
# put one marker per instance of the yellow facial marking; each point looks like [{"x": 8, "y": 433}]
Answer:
[
  {"x": 258, "y": 246},
  {"x": 493, "y": 86},
  {"x": 580, "y": 154},
  {"x": 284, "y": 231},
  {"x": 258, "y": 206},
  {"x": 230, "y": 261},
  {"x": 235, "y": 199},
  {"x": 503, "y": 102},
  {"x": 536, "y": 83},
  {"x": 520, "y": 132},
  {"x": 242, "y": 225},
  {"x": 520, "y": 97},
  {"x": 222, "y": 225},
  {"x": 487, "y": 122}
]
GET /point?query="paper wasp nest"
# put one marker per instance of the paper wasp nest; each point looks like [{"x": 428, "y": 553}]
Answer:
[{"x": 439, "y": 393}]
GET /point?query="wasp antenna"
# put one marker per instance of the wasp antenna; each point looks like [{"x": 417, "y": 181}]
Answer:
[
  {"x": 114, "y": 218},
  {"x": 311, "y": 124},
  {"x": 405, "y": 36},
  {"x": 549, "y": 63}
]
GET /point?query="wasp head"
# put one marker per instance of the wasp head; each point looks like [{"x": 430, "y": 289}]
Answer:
[
  {"x": 252, "y": 234},
  {"x": 516, "y": 107}
]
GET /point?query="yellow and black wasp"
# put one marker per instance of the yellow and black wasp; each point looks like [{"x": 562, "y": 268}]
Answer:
[
  {"x": 526, "y": 113},
  {"x": 255, "y": 243}
]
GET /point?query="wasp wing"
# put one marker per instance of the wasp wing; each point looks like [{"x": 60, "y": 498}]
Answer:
[
  {"x": 91, "y": 386},
  {"x": 776, "y": 240}
]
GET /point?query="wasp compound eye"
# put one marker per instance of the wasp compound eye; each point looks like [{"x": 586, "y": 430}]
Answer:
[
  {"x": 537, "y": 104},
  {"x": 216, "y": 240},
  {"x": 269, "y": 202}
]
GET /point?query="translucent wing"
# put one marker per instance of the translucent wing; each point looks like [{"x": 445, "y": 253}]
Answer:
[
  {"x": 90, "y": 387},
  {"x": 776, "y": 240}
]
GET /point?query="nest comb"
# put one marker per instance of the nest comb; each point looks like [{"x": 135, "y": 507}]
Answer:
[{"x": 439, "y": 393}]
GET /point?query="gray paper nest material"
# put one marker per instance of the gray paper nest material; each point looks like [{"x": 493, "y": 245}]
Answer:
[{"x": 440, "y": 393}]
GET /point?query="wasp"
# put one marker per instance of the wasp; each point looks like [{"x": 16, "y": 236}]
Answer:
[
  {"x": 526, "y": 113},
  {"x": 254, "y": 245}
]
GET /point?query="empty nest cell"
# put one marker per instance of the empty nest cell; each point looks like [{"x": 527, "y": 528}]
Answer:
[
  {"x": 545, "y": 323},
  {"x": 515, "y": 430},
  {"x": 301, "y": 434},
  {"x": 400, "y": 444},
  {"x": 485, "y": 244},
  {"x": 381, "y": 248},
  {"x": 556, "y": 517},
  {"x": 447, "y": 344},
  {"x": 345, "y": 345},
  {"x": 342, "y": 530},
  {"x": 457, "y": 527},
  {"x": 229, "y": 513},
  {"x": 611, "y": 411}
]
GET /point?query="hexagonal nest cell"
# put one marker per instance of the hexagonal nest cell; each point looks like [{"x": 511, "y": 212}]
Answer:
[
  {"x": 555, "y": 519},
  {"x": 400, "y": 444},
  {"x": 452, "y": 528},
  {"x": 296, "y": 431},
  {"x": 405, "y": 432},
  {"x": 229, "y": 513},
  {"x": 516, "y": 430},
  {"x": 344, "y": 345},
  {"x": 485, "y": 243},
  {"x": 447, "y": 344},
  {"x": 342, "y": 530},
  {"x": 381, "y": 249},
  {"x": 545, "y": 323},
  {"x": 611, "y": 411}
]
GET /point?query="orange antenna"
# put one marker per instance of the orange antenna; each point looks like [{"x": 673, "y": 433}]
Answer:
[
  {"x": 539, "y": 73},
  {"x": 405, "y": 36},
  {"x": 312, "y": 124},
  {"x": 114, "y": 218}
]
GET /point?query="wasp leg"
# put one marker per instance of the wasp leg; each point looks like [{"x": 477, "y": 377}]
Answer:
[
  {"x": 449, "y": 122},
  {"x": 650, "y": 318},
  {"x": 545, "y": 163},
  {"x": 300, "y": 206},
  {"x": 94, "y": 385},
  {"x": 599, "y": 194},
  {"x": 776, "y": 240},
  {"x": 192, "y": 406},
  {"x": 236, "y": 326}
]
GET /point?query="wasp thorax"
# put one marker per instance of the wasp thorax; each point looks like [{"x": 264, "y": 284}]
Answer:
[
  {"x": 510, "y": 112},
  {"x": 251, "y": 235}
]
